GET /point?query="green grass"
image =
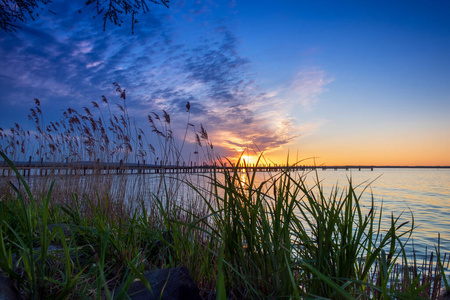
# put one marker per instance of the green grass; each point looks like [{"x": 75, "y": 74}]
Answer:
[{"x": 241, "y": 240}]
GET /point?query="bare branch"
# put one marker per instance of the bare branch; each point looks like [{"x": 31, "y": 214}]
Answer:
[{"x": 14, "y": 12}]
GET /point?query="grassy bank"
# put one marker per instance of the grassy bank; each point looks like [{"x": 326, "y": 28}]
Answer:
[{"x": 239, "y": 240}]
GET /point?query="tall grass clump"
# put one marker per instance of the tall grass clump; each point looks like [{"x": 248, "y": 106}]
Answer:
[
  {"x": 113, "y": 229},
  {"x": 67, "y": 251},
  {"x": 283, "y": 239}
]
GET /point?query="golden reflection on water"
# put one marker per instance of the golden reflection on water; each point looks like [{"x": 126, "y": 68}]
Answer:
[{"x": 244, "y": 179}]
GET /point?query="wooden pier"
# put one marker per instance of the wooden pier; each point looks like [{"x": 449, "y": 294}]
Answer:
[
  {"x": 33, "y": 168},
  {"x": 41, "y": 168}
]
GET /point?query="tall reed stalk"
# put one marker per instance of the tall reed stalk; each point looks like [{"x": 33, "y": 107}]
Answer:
[{"x": 103, "y": 132}]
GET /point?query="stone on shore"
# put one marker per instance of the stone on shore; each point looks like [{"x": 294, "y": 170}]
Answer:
[
  {"x": 7, "y": 290},
  {"x": 173, "y": 284}
]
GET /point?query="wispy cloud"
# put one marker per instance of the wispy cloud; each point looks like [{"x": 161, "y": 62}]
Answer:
[
  {"x": 307, "y": 86},
  {"x": 160, "y": 70}
]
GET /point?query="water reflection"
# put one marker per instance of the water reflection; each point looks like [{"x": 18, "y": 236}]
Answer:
[{"x": 244, "y": 179}]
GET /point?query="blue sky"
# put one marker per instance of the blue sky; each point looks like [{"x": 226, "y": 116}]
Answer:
[{"x": 350, "y": 82}]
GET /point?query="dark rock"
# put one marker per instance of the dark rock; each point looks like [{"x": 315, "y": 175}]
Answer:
[
  {"x": 172, "y": 284},
  {"x": 7, "y": 289}
]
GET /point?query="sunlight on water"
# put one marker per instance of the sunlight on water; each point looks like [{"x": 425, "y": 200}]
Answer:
[{"x": 244, "y": 178}]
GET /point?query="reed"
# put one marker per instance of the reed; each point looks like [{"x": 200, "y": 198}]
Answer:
[{"x": 104, "y": 133}]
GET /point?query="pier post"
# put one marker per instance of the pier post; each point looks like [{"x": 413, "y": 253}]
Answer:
[
  {"x": 119, "y": 170},
  {"x": 99, "y": 169},
  {"x": 29, "y": 166}
]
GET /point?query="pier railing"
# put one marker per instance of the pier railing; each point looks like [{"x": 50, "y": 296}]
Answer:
[{"x": 41, "y": 168}]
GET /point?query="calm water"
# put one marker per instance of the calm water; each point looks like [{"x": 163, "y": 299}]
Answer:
[{"x": 423, "y": 192}]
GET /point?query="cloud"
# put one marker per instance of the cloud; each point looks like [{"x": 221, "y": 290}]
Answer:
[
  {"x": 72, "y": 65},
  {"x": 307, "y": 86}
]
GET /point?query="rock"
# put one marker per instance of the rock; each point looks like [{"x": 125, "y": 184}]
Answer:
[
  {"x": 172, "y": 284},
  {"x": 7, "y": 289}
]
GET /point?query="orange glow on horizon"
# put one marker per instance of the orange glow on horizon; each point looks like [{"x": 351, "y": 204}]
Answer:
[
  {"x": 373, "y": 151},
  {"x": 334, "y": 160}
]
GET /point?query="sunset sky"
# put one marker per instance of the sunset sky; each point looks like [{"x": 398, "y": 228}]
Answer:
[{"x": 348, "y": 82}]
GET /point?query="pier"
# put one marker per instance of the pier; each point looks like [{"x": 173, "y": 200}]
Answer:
[{"x": 33, "y": 168}]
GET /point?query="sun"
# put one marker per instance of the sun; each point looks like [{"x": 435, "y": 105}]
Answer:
[{"x": 248, "y": 160}]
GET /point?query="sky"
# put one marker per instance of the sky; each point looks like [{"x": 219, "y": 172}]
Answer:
[{"x": 345, "y": 82}]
